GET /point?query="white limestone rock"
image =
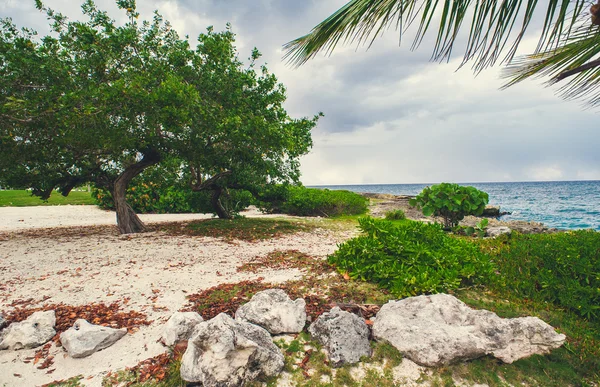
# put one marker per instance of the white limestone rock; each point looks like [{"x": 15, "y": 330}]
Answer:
[
  {"x": 344, "y": 335},
  {"x": 83, "y": 338},
  {"x": 440, "y": 329},
  {"x": 180, "y": 327},
  {"x": 37, "y": 330},
  {"x": 273, "y": 310},
  {"x": 493, "y": 232},
  {"x": 225, "y": 352}
]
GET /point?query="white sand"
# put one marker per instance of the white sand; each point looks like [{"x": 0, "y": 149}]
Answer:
[{"x": 75, "y": 267}]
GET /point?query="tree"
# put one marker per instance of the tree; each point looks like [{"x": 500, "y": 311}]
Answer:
[
  {"x": 569, "y": 42},
  {"x": 100, "y": 103},
  {"x": 245, "y": 139}
]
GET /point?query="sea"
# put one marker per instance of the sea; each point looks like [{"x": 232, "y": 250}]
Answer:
[{"x": 567, "y": 205}]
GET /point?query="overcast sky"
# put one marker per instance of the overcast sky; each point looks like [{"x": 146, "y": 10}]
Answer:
[{"x": 391, "y": 116}]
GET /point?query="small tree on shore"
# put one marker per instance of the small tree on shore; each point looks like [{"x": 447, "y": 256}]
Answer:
[{"x": 97, "y": 102}]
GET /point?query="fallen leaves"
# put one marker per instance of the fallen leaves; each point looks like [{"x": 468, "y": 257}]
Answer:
[
  {"x": 95, "y": 313},
  {"x": 286, "y": 259}
]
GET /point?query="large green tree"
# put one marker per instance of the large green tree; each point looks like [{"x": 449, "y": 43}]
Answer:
[
  {"x": 568, "y": 48},
  {"x": 100, "y": 102}
]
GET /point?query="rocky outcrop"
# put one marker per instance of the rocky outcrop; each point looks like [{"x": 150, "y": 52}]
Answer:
[
  {"x": 344, "y": 335},
  {"x": 494, "y": 232},
  {"x": 491, "y": 212},
  {"x": 180, "y": 327},
  {"x": 38, "y": 329},
  {"x": 83, "y": 338},
  {"x": 3, "y": 321},
  {"x": 273, "y": 310},
  {"x": 225, "y": 352},
  {"x": 440, "y": 329}
]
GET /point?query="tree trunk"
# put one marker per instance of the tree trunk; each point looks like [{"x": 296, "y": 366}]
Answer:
[
  {"x": 215, "y": 200},
  {"x": 127, "y": 220}
]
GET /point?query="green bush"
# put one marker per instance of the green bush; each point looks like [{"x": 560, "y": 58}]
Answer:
[
  {"x": 302, "y": 201},
  {"x": 395, "y": 215},
  {"x": 451, "y": 201},
  {"x": 561, "y": 268},
  {"x": 411, "y": 258}
]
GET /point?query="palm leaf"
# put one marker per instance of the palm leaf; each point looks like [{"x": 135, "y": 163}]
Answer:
[
  {"x": 491, "y": 25},
  {"x": 577, "y": 57}
]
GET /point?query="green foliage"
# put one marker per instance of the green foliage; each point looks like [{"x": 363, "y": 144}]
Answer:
[
  {"x": 302, "y": 201},
  {"x": 395, "y": 215},
  {"x": 23, "y": 198},
  {"x": 451, "y": 201},
  {"x": 100, "y": 102},
  {"x": 561, "y": 268},
  {"x": 479, "y": 229},
  {"x": 162, "y": 189},
  {"x": 411, "y": 258}
]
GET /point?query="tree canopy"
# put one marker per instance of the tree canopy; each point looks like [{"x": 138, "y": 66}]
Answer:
[
  {"x": 568, "y": 44},
  {"x": 100, "y": 102}
]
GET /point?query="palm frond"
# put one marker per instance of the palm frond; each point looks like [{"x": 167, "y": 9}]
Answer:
[
  {"x": 577, "y": 57},
  {"x": 491, "y": 25}
]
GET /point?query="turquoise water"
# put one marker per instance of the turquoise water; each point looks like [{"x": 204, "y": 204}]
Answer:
[{"x": 561, "y": 204}]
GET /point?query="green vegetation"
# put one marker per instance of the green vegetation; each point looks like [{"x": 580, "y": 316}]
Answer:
[
  {"x": 247, "y": 229},
  {"x": 411, "y": 258},
  {"x": 100, "y": 102},
  {"x": 395, "y": 215},
  {"x": 24, "y": 198},
  {"x": 561, "y": 268},
  {"x": 165, "y": 189},
  {"x": 451, "y": 201},
  {"x": 302, "y": 201},
  {"x": 75, "y": 381}
]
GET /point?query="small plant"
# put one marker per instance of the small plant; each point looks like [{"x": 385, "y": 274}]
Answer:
[
  {"x": 395, "y": 215},
  {"x": 451, "y": 201},
  {"x": 479, "y": 229}
]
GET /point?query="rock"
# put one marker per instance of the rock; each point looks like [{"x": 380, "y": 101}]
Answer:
[
  {"x": 491, "y": 212},
  {"x": 38, "y": 329},
  {"x": 3, "y": 321},
  {"x": 273, "y": 310},
  {"x": 226, "y": 352},
  {"x": 180, "y": 327},
  {"x": 440, "y": 329},
  {"x": 497, "y": 231},
  {"x": 83, "y": 338},
  {"x": 343, "y": 334}
]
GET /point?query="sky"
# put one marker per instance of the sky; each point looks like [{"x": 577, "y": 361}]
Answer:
[{"x": 391, "y": 116}]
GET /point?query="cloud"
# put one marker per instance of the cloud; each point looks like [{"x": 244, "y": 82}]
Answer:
[{"x": 391, "y": 116}]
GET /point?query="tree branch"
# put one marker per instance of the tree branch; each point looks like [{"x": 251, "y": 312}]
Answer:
[
  {"x": 210, "y": 182},
  {"x": 577, "y": 70}
]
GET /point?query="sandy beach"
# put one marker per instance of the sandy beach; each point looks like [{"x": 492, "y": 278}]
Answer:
[{"x": 74, "y": 255}]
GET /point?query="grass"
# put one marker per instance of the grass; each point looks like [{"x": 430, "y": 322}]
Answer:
[
  {"x": 23, "y": 198},
  {"x": 246, "y": 229}
]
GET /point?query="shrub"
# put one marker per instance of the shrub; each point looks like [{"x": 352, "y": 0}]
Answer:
[
  {"x": 561, "y": 268},
  {"x": 451, "y": 201},
  {"x": 395, "y": 215},
  {"x": 411, "y": 258},
  {"x": 302, "y": 201}
]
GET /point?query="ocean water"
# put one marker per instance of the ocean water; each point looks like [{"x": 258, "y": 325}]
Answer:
[{"x": 561, "y": 204}]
